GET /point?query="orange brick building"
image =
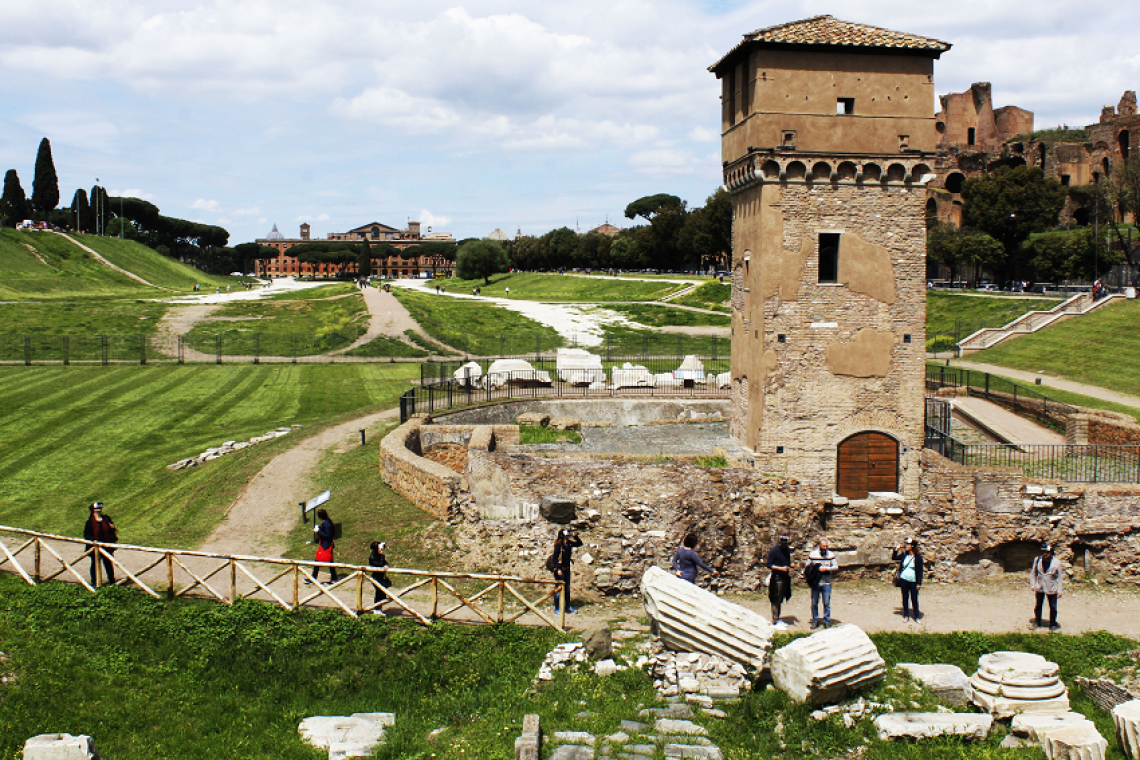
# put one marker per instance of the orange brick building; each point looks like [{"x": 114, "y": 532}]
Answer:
[{"x": 284, "y": 265}]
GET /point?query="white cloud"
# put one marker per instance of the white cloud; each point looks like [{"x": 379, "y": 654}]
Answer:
[
  {"x": 436, "y": 221},
  {"x": 310, "y": 218},
  {"x": 205, "y": 205},
  {"x": 132, "y": 193}
]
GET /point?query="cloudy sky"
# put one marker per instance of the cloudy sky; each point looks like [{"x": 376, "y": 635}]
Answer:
[{"x": 466, "y": 116}]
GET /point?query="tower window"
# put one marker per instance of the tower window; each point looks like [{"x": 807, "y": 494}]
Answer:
[
  {"x": 829, "y": 257},
  {"x": 789, "y": 139},
  {"x": 971, "y": 136},
  {"x": 844, "y": 106}
]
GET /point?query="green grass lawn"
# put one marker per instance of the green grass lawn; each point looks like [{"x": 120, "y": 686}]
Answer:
[
  {"x": 72, "y": 435},
  {"x": 81, "y": 320},
  {"x": 45, "y": 266},
  {"x": 284, "y": 326},
  {"x": 151, "y": 265},
  {"x": 196, "y": 680},
  {"x": 528, "y": 286},
  {"x": 385, "y": 346},
  {"x": 711, "y": 295},
  {"x": 620, "y": 339},
  {"x": 655, "y": 315},
  {"x": 477, "y": 328},
  {"x": 945, "y": 311},
  {"x": 1099, "y": 349}
]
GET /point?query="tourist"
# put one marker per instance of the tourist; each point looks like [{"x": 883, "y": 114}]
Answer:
[
  {"x": 1045, "y": 580},
  {"x": 909, "y": 576},
  {"x": 323, "y": 534},
  {"x": 101, "y": 528},
  {"x": 686, "y": 560},
  {"x": 559, "y": 564},
  {"x": 780, "y": 582},
  {"x": 819, "y": 571},
  {"x": 376, "y": 558}
]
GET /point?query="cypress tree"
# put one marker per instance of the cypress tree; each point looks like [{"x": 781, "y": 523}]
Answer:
[
  {"x": 13, "y": 203},
  {"x": 364, "y": 264},
  {"x": 45, "y": 185},
  {"x": 81, "y": 211}
]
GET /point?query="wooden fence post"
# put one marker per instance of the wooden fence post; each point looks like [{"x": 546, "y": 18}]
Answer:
[{"x": 170, "y": 574}]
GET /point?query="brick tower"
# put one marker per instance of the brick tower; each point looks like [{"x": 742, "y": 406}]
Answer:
[{"x": 828, "y": 138}]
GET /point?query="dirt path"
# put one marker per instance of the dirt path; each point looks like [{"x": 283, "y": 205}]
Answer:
[
  {"x": 1004, "y": 605},
  {"x": 177, "y": 321},
  {"x": 266, "y": 510},
  {"x": 389, "y": 319},
  {"x": 1048, "y": 380}
]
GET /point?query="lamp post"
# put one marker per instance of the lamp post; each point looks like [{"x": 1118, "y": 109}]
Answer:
[{"x": 98, "y": 203}]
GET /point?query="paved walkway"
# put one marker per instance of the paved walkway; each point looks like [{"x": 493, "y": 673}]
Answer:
[
  {"x": 1049, "y": 381},
  {"x": 1002, "y": 424}
]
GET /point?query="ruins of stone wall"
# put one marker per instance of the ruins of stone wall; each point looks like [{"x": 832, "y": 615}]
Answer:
[
  {"x": 430, "y": 486},
  {"x": 1092, "y": 426},
  {"x": 971, "y": 522}
]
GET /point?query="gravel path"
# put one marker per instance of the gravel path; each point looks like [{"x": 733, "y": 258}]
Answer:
[{"x": 1048, "y": 380}]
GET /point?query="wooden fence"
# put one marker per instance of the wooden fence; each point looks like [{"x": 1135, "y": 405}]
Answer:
[{"x": 172, "y": 573}]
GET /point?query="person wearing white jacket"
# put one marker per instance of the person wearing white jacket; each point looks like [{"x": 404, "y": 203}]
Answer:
[{"x": 1045, "y": 580}]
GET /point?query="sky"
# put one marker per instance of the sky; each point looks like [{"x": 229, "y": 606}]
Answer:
[{"x": 464, "y": 116}]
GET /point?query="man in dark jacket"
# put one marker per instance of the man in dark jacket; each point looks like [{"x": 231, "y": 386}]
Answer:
[
  {"x": 101, "y": 528},
  {"x": 564, "y": 546},
  {"x": 780, "y": 584}
]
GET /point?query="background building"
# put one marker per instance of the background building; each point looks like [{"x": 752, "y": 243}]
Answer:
[{"x": 437, "y": 257}]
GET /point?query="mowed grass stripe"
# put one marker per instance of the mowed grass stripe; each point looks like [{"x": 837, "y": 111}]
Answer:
[
  {"x": 115, "y": 411},
  {"x": 113, "y": 439}
]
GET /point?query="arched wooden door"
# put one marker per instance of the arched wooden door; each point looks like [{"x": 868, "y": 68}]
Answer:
[{"x": 867, "y": 462}]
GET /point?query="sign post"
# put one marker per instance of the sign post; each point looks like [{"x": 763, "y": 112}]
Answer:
[{"x": 313, "y": 503}]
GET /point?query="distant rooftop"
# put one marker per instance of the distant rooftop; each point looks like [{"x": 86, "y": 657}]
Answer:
[
  {"x": 274, "y": 234},
  {"x": 830, "y": 31}
]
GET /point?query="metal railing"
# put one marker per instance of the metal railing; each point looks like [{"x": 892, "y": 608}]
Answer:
[
  {"x": 1018, "y": 398},
  {"x": 427, "y": 595},
  {"x": 646, "y": 377},
  {"x": 1065, "y": 463}
]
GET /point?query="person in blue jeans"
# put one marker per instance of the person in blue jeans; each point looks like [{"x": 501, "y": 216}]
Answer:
[
  {"x": 910, "y": 578},
  {"x": 564, "y": 546},
  {"x": 825, "y": 563},
  {"x": 686, "y": 560}
]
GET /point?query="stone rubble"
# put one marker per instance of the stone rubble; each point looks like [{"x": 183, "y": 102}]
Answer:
[
  {"x": 947, "y": 682},
  {"x": 579, "y": 367},
  {"x": 914, "y": 725},
  {"x": 529, "y": 744},
  {"x": 229, "y": 447},
  {"x": 694, "y": 676},
  {"x": 514, "y": 371},
  {"x": 689, "y": 619},
  {"x": 60, "y": 747},
  {"x": 355, "y": 735},
  {"x": 828, "y": 665},
  {"x": 1007, "y": 683},
  {"x": 1126, "y": 718},
  {"x": 562, "y": 656}
]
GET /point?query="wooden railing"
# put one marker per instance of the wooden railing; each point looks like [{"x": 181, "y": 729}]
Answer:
[{"x": 171, "y": 573}]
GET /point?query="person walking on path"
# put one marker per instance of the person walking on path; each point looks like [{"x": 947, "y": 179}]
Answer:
[
  {"x": 377, "y": 559},
  {"x": 323, "y": 534},
  {"x": 1045, "y": 580},
  {"x": 819, "y": 571},
  {"x": 686, "y": 560},
  {"x": 101, "y": 528},
  {"x": 910, "y": 578},
  {"x": 780, "y": 583},
  {"x": 559, "y": 564}
]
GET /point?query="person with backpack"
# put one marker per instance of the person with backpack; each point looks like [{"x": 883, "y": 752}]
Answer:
[
  {"x": 323, "y": 534},
  {"x": 686, "y": 560},
  {"x": 559, "y": 563},
  {"x": 377, "y": 559},
  {"x": 818, "y": 572},
  {"x": 909, "y": 577},
  {"x": 1045, "y": 580},
  {"x": 780, "y": 582},
  {"x": 101, "y": 528}
]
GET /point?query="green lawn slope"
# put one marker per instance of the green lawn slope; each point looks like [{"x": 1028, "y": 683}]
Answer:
[
  {"x": 947, "y": 311},
  {"x": 43, "y": 265},
  {"x": 71, "y": 435},
  {"x": 477, "y": 327},
  {"x": 151, "y": 265},
  {"x": 529, "y": 286},
  {"x": 1099, "y": 349}
]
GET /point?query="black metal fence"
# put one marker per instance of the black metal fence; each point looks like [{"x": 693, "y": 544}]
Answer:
[
  {"x": 1066, "y": 463},
  {"x": 456, "y": 384},
  {"x": 1018, "y": 398}
]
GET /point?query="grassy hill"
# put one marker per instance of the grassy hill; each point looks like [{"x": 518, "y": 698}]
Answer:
[
  {"x": 529, "y": 286},
  {"x": 946, "y": 311},
  {"x": 46, "y": 266},
  {"x": 150, "y": 265},
  {"x": 1099, "y": 349}
]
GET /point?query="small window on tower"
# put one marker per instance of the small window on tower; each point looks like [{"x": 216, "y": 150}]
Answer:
[
  {"x": 1065, "y": 180},
  {"x": 904, "y": 142},
  {"x": 829, "y": 257},
  {"x": 789, "y": 139},
  {"x": 971, "y": 136},
  {"x": 844, "y": 106}
]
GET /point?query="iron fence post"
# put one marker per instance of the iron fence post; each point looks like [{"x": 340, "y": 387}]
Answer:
[
  {"x": 103, "y": 349},
  {"x": 218, "y": 348},
  {"x": 181, "y": 344},
  {"x": 27, "y": 350},
  {"x": 142, "y": 349},
  {"x": 66, "y": 350},
  {"x": 257, "y": 348}
]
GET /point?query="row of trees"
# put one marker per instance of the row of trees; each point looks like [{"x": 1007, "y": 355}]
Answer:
[
  {"x": 203, "y": 245},
  {"x": 673, "y": 237},
  {"x": 342, "y": 253},
  {"x": 1009, "y": 221}
]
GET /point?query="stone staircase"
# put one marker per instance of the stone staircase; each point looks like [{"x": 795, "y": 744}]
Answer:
[{"x": 1033, "y": 321}]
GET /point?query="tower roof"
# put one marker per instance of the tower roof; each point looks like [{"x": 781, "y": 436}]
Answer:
[
  {"x": 830, "y": 32},
  {"x": 274, "y": 234}
]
